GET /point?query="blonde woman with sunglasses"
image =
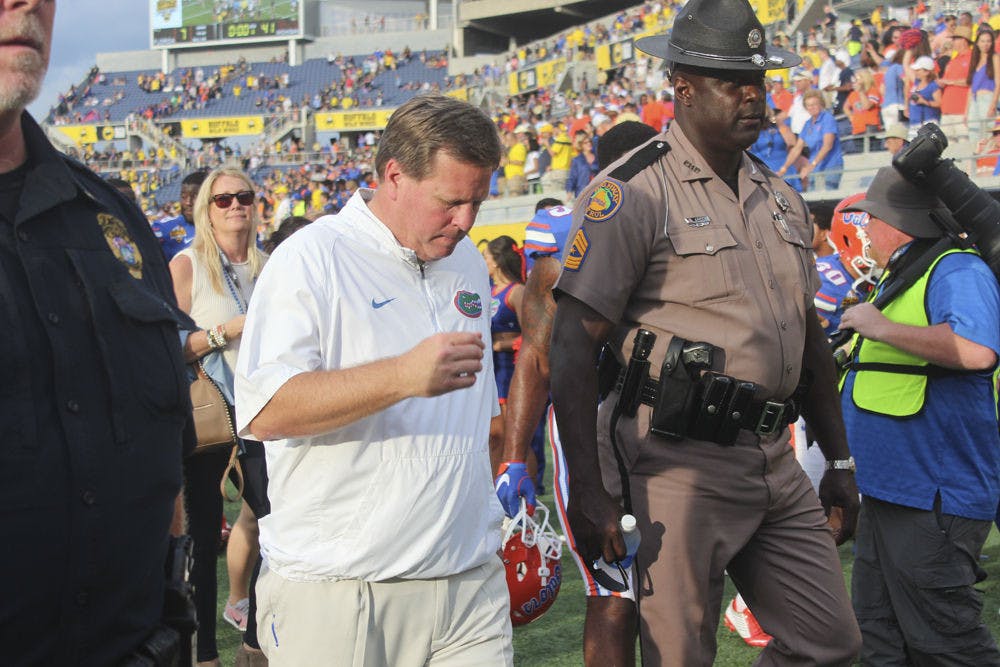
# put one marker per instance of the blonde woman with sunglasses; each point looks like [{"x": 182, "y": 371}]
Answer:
[{"x": 213, "y": 280}]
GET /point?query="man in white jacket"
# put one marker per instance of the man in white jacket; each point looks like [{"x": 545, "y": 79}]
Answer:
[{"x": 362, "y": 370}]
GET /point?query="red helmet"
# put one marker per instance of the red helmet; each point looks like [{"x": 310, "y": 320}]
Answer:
[
  {"x": 531, "y": 556},
  {"x": 849, "y": 236}
]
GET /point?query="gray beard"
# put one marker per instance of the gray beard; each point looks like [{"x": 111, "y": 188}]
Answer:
[{"x": 29, "y": 74}]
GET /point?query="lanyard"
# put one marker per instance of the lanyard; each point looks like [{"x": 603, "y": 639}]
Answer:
[{"x": 232, "y": 281}]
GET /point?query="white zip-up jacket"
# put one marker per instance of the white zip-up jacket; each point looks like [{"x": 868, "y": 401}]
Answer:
[{"x": 406, "y": 492}]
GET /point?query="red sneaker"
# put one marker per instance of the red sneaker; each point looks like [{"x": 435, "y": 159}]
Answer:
[{"x": 740, "y": 620}]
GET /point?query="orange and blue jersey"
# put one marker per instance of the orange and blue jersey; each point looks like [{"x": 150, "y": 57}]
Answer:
[
  {"x": 835, "y": 284},
  {"x": 545, "y": 235},
  {"x": 504, "y": 320}
]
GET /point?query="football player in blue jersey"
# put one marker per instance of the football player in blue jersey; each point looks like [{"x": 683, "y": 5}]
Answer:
[
  {"x": 610, "y": 625},
  {"x": 175, "y": 234}
]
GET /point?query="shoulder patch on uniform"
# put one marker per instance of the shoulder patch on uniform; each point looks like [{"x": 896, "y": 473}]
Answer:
[
  {"x": 577, "y": 251},
  {"x": 641, "y": 159},
  {"x": 605, "y": 201},
  {"x": 121, "y": 244}
]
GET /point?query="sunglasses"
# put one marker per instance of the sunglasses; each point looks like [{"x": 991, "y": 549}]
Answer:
[{"x": 225, "y": 200}]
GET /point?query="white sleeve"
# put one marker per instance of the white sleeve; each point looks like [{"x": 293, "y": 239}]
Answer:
[{"x": 281, "y": 336}]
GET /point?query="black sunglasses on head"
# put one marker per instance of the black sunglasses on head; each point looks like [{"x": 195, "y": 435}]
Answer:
[{"x": 225, "y": 199}]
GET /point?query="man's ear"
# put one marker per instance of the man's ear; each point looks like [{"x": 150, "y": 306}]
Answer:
[
  {"x": 390, "y": 180},
  {"x": 683, "y": 89}
]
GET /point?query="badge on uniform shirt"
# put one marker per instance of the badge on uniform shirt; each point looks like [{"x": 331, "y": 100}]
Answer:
[
  {"x": 782, "y": 202},
  {"x": 780, "y": 219},
  {"x": 577, "y": 251},
  {"x": 699, "y": 221},
  {"x": 178, "y": 234},
  {"x": 469, "y": 304},
  {"x": 121, "y": 244},
  {"x": 604, "y": 201}
]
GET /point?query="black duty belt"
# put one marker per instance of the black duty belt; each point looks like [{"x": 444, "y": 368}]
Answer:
[{"x": 763, "y": 418}]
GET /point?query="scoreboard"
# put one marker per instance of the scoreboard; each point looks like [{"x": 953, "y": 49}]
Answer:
[{"x": 180, "y": 23}]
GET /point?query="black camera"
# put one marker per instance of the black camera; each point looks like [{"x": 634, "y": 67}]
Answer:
[
  {"x": 974, "y": 210},
  {"x": 914, "y": 98}
]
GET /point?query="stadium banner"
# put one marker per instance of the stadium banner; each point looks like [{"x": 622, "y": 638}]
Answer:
[
  {"x": 352, "y": 121},
  {"x": 206, "y": 128},
  {"x": 487, "y": 231},
  {"x": 769, "y": 11},
  {"x": 186, "y": 23},
  {"x": 91, "y": 134},
  {"x": 539, "y": 76},
  {"x": 459, "y": 93},
  {"x": 612, "y": 56}
]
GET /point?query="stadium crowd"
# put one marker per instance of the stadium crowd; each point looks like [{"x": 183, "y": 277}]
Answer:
[{"x": 871, "y": 78}]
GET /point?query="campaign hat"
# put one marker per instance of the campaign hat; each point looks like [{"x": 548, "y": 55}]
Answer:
[
  {"x": 903, "y": 205},
  {"x": 718, "y": 34}
]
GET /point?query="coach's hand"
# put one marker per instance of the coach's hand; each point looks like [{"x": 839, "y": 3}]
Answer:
[
  {"x": 513, "y": 483},
  {"x": 838, "y": 489},
  {"x": 442, "y": 363}
]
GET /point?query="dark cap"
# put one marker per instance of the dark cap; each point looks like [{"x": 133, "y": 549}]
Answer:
[
  {"x": 718, "y": 34},
  {"x": 902, "y": 205}
]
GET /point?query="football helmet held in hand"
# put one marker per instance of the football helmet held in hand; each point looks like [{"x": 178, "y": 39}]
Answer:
[{"x": 531, "y": 555}]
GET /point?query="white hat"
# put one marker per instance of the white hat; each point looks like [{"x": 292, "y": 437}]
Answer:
[{"x": 923, "y": 62}]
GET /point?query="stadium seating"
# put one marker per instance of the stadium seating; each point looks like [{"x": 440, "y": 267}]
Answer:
[{"x": 304, "y": 81}]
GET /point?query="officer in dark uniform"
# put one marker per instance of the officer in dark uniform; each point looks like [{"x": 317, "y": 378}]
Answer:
[
  {"x": 693, "y": 241},
  {"x": 94, "y": 406}
]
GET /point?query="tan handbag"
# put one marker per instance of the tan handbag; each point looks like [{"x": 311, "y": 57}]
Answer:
[{"x": 213, "y": 422}]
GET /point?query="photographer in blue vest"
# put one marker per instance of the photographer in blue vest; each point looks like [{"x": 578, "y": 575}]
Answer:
[{"x": 920, "y": 410}]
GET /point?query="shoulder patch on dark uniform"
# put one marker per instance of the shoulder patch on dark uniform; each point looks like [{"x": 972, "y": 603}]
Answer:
[{"x": 641, "y": 159}]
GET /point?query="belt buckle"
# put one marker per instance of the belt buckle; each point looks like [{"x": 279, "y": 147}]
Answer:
[{"x": 770, "y": 418}]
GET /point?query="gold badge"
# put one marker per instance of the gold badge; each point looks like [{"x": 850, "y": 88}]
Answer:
[{"x": 121, "y": 244}]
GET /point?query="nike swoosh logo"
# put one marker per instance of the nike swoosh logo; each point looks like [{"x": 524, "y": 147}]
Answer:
[{"x": 378, "y": 304}]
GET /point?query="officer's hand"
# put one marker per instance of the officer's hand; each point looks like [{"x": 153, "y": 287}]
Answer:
[
  {"x": 594, "y": 517},
  {"x": 234, "y": 327},
  {"x": 512, "y": 483},
  {"x": 866, "y": 319},
  {"x": 441, "y": 363},
  {"x": 838, "y": 489}
]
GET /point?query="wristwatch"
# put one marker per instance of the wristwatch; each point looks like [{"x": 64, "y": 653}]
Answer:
[{"x": 841, "y": 464}]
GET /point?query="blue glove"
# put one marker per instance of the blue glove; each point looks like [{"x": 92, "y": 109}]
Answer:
[{"x": 513, "y": 482}]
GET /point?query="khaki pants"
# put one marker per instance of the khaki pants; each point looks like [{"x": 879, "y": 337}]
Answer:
[
  {"x": 749, "y": 509},
  {"x": 516, "y": 185},
  {"x": 451, "y": 622}
]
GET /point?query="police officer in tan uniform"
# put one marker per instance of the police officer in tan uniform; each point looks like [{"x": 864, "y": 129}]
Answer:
[{"x": 700, "y": 246}]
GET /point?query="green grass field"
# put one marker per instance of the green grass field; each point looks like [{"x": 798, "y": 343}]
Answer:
[
  {"x": 554, "y": 640},
  {"x": 202, "y": 12}
]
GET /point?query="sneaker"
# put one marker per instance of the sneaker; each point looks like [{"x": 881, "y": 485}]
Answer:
[
  {"x": 236, "y": 614},
  {"x": 742, "y": 622}
]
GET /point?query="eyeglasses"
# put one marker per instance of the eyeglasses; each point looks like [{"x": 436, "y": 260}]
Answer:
[{"x": 225, "y": 199}]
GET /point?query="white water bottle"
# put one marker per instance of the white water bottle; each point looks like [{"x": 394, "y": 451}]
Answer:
[
  {"x": 614, "y": 576},
  {"x": 632, "y": 537}
]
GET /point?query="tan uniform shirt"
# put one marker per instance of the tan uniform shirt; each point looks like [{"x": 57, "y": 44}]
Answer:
[{"x": 673, "y": 250}]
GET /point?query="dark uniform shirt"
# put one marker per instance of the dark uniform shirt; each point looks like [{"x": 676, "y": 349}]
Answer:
[{"x": 94, "y": 408}]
